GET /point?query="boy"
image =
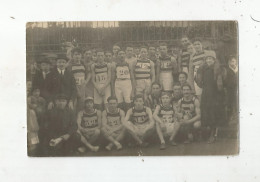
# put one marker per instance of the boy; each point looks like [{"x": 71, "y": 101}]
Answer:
[
  {"x": 112, "y": 124},
  {"x": 189, "y": 112},
  {"x": 154, "y": 98},
  {"x": 129, "y": 55},
  {"x": 176, "y": 96},
  {"x": 101, "y": 78},
  {"x": 109, "y": 57},
  {"x": 144, "y": 73},
  {"x": 184, "y": 59},
  {"x": 139, "y": 121},
  {"x": 89, "y": 123},
  {"x": 166, "y": 68},
  {"x": 122, "y": 82},
  {"x": 183, "y": 76},
  {"x": 166, "y": 121},
  {"x": 89, "y": 89}
]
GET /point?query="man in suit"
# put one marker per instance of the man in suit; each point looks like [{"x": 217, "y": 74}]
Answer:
[{"x": 62, "y": 82}]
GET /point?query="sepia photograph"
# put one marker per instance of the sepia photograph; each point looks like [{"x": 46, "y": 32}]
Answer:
[{"x": 132, "y": 88}]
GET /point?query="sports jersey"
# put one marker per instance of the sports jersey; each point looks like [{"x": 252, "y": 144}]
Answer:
[
  {"x": 143, "y": 69},
  {"x": 89, "y": 120},
  {"x": 78, "y": 71},
  {"x": 166, "y": 64},
  {"x": 139, "y": 117},
  {"x": 198, "y": 60},
  {"x": 152, "y": 102},
  {"x": 122, "y": 71},
  {"x": 188, "y": 107},
  {"x": 113, "y": 119},
  {"x": 185, "y": 59},
  {"x": 101, "y": 71},
  {"x": 166, "y": 113}
]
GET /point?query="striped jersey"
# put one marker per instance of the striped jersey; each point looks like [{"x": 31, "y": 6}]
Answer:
[
  {"x": 113, "y": 119},
  {"x": 139, "y": 117},
  {"x": 198, "y": 59},
  {"x": 89, "y": 120},
  {"x": 166, "y": 113},
  {"x": 101, "y": 72},
  {"x": 122, "y": 71},
  {"x": 143, "y": 69},
  {"x": 188, "y": 107},
  {"x": 185, "y": 59},
  {"x": 79, "y": 73}
]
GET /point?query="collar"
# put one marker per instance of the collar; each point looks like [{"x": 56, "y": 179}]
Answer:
[{"x": 235, "y": 70}]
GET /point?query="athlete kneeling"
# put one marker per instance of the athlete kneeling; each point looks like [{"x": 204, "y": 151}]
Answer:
[
  {"x": 112, "y": 119},
  {"x": 89, "y": 122},
  {"x": 139, "y": 121},
  {"x": 166, "y": 121}
]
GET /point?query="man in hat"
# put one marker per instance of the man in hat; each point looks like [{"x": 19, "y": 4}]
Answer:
[
  {"x": 52, "y": 59},
  {"x": 61, "y": 128},
  {"x": 61, "y": 81},
  {"x": 89, "y": 123}
]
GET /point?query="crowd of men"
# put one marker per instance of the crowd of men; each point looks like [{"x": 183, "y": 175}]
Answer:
[{"x": 103, "y": 100}]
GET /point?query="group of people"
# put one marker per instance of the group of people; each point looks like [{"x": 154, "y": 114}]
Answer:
[{"x": 84, "y": 99}]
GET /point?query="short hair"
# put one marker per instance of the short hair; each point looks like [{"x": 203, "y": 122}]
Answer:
[
  {"x": 232, "y": 57},
  {"x": 166, "y": 93},
  {"x": 184, "y": 36},
  {"x": 186, "y": 85},
  {"x": 129, "y": 45},
  {"x": 138, "y": 96},
  {"x": 143, "y": 47},
  {"x": 100, "y": 50},
  {"x": 177, "y": 84},
  {"x": 184, "y": 73},
  {"x": 76, "y": 49},
  {"x": 156, "y": 83},
  {"x": 111, "y": 98},
  {"x": 163, "y": 44}
]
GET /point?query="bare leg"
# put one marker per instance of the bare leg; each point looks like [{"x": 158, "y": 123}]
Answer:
[
  {"x": 175, "y": 131},
  {"x": 87, "y": 143},
  {"x": 159, "y": 133},
  {"x": 133, "y": 134}
]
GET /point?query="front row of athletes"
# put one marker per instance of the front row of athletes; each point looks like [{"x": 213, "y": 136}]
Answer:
[{"x": 138, "y": 122}]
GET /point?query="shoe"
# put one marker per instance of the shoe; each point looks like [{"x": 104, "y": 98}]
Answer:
[
  {"x": 95, "y": 148},
  {"x": 212, "y": 139},
  {"x": 82, "y": 149},
  {"x": 162, "y": 146},
  {"x": 173, "y": 143},
  {"x": 118, "y": 146},
  {"x": 108, "y": 147}
]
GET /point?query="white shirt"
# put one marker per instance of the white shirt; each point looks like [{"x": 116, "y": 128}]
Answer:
[{"x": 61, "y": 71}]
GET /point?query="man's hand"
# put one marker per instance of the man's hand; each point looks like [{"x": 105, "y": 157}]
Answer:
[
  {"x": 50, "y": 105},
  {"x": 55, "y": 142},
  {"x": 71, "y": 105}
]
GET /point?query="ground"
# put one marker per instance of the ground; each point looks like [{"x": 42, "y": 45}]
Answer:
[{"x": 223, "y": 146}]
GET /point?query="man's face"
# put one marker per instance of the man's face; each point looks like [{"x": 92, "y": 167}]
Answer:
[
  {"x": 190, "y": 49},
  {"x": 121, "y": 55},
  {"x": 28, "y": 86},
  {"x": 115, "y": 49},
  {"x": 129, "y": 52},
  {"x": 139, "y": 103},
  {"x": 185, "y": 41},
  {"x": 89, "y": 104},
  {"x": 112, "y": 105},
  {"x": 156, "y": 90},
  {"x": 143, "y": 53},
  {"x": 166, "y": 99},
  {"x": 233, "y": 63},
  {"x": 108, "y": 56},
  {"x": 163, "y": 50},
  {"x": 77, "y": 56},
  {"x": 45, "y": 67},
  {"x": 182, "y": 79},
  {"x": 210, "y": 61},
  {"x": 61, "y": 103},
  {"x": 152, "y": 50},
  {"x": 197, "y": 46},
  {"x": 36, "y": 93},
  {"x": 177, "y": 91},
  {"x": 136, "y": 51},
  {"x": 61, "y": 64},
  {"x": 186, "y": 91},
  {"x": 94, "y": 56},
  {"x": 100, "y": 56},
  {"x": 87, "y": 55}
]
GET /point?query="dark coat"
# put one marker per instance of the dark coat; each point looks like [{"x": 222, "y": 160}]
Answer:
[
  {"x": 42, "y": 84},
  {"x": 58, "y": 84}
]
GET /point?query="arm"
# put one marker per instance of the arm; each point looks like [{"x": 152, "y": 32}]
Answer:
[
  {"x": 127, "y": 117},
  {"x": 150, "y": 115},
  {"x": 179, "y": 111},
  {"x": 88, "y": 73},
  {"x": 175, "y": 68},
  {"x": 197, "y": 111},
  {"x": 155, "y": 114},
  {"x": 152, "y": 71},
  {"x": 113, "y": 78},
  {"x": 104, "y": 119},
  {"x": 80, "y": 128},
  {"x": 158, "y": 69},
  {"x": 108, "y": 75},
  {"x": 131, "y": 67},
  {"x": 99, "y": 118},
  {"x": 93, "y": 76}
]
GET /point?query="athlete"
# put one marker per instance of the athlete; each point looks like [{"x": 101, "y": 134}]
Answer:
[
  {"x": 155, "y": 97},
  {"x": 189, "y": 112},
  {"x": 101, "y": 78},
  {"x": 183, "y": 77},
  {"x": 89, "y": 89},
  {"x": 139, "y": 121},
  {"x": 166, "y": 121},
  {"x": 109, "y": 57},
  {"x": 197, "y": 60},
  {"x": 122, "y": 82},
  {"x": 89, "y": 123},
  {"x": 166, "y": 68},
  {"x": 184, "y": 59},
  {"x": 144, "y": 73},
  {"x": 112, "y": 127},
  {"x": 176, "y": 96}
]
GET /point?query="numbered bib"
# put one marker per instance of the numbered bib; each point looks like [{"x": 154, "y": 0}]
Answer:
[
  {"x": 113, "y": 121},
  {"x": 101, "y": 78},
  {"x": 122, "y": 72}
]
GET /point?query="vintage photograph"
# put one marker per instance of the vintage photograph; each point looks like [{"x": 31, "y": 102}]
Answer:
[{"x": 132, "y": 88}]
